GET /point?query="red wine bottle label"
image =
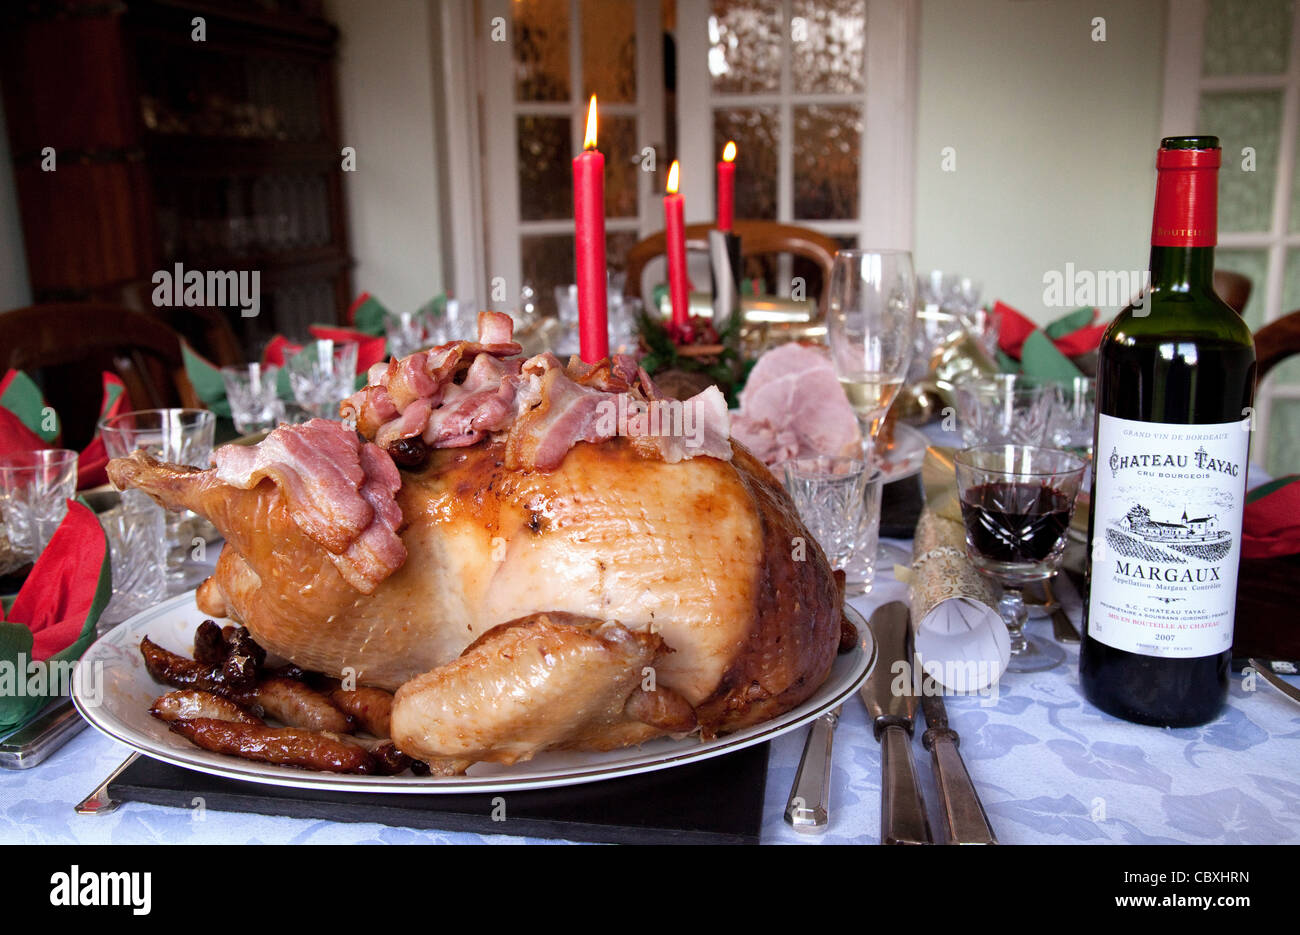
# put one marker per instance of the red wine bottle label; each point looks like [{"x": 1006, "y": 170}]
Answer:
[
  {"x": 1187, "y": 198},
  {"x": 1167, "y": 536}
]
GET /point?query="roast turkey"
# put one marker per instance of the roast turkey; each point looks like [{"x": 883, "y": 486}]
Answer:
[{"x": 544, "y": 572}]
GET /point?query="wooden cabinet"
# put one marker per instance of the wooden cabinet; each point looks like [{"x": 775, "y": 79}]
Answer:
[{"x": 219, "y": 153}]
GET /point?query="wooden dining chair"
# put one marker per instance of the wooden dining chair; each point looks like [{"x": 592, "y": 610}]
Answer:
[
  {"x": 1275, "y": 342},
  {"x": 757, "y": 239},
  {"x": 1233, "y": 288},
  {"x": 207, "y": 330},
  {"x": 66, "y": 348}
]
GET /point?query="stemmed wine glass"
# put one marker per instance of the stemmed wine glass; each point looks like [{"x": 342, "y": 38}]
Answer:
[
  {"x": 871, "y": 311},
  {"x": 1016, "y": 502}
]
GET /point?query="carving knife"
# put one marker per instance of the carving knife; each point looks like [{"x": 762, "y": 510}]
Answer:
[
  {"x": 964, "y": 818},
  {"x": 902, "y": 814}
]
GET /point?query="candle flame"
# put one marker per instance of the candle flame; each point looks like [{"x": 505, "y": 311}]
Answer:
[
  {"x": 589, "y": 141},
  {"x": 729, "y": 151},
  {"x": 673, "y": 175}
]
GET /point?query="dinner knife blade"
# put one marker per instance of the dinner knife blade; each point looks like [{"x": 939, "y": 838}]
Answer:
[
  {"x": 964, "y": 818},
  {"x": 891, "y": 702},
  {"x": 1267, "y": 674}
]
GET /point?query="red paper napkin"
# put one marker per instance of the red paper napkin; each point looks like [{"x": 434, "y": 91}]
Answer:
[
  {"x": 16, "y": 436},
  {"x": 278, "y": 350},
  {"x": 64, "y": 585},
  {"x": 370, "y": 350},
  {"x": 92, "y": 463},
  {"x": 1072, "y": 335},
  {"x": 1271, "y": 525},
  {"x": 52, "y": 620}
]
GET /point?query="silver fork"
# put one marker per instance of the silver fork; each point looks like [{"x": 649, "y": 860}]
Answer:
[
  {"x": 808, "y": 808},
  {"x": 99, "y": 802}
]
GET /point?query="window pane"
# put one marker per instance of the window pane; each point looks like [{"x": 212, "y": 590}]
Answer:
[
  {"x": 541, "y": 37},
  {"x": 1252, "y": 264},
  {"x": 827, "y": 151},
  {"x": 1283, "y": 456},
  {"x": 828, "y": 46},
  {"x": 547, "y": 262},
  {"x": 745, "y": 39},
  {"x": 1247, "y": 37},
  {"x": 1252, "y": 119},
  {"x": 755, "y": 131},
  {"x": 617, "y": 138},
  {"x": 545, "y": 168},
  {"x": 609, "y": 50}
]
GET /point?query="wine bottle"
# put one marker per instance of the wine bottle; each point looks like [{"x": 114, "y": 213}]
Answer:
[{"x": 1175, "y": 382}]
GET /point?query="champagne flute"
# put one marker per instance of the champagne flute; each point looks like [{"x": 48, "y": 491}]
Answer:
[
  {"x": 871, "y": 312},
  {"x": 872, "y": 307}
]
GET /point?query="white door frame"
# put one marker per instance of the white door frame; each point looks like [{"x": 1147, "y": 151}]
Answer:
[{"x": 460, "y": 151}]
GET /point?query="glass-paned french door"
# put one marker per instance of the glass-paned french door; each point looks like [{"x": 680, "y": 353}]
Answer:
[
  {"x": 1233, "y": 70},
  {"x": 542, "y": 60},
  {"x": 819, "y": 97}
]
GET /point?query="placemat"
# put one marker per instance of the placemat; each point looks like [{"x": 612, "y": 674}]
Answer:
[{"x": 715, "y": 801}]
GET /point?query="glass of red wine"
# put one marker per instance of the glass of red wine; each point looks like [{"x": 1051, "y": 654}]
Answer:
[{"x": 1016, "y": 502}]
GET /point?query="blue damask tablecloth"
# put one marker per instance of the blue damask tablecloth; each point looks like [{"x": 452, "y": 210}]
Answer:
[{"x": 1049, "y": 767}]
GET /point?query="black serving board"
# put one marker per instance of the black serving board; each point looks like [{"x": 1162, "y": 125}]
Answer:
[{"x": 714, "y": 801}]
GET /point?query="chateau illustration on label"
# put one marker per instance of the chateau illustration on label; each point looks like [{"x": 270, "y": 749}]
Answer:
[
  {"x": 1138, "y": 535},
  {"x": 1169, "y": 523}
]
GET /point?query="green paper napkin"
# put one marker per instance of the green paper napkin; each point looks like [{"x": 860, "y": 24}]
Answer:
[
  {"x": 1040, "y": 359},
  {"x": 1070, "y": 323},
  {"x": 23, "y": 398},
  {"x": 207, "y": 382},
  {"x": 369, "y": 317}
]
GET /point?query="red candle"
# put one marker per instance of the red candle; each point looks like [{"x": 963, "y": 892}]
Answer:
[
  {"x": 675, "y": 234},
  {"x": 727, "y": 187},
  {"x": 589, "y": 245}
]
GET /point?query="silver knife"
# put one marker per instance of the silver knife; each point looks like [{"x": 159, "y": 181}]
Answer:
[
  {"x": 809, "y": 808},
  {"x": 902, "y": 814},
  {"x": 964, "y": 818},
  {"x": 1266, "y": 672}
]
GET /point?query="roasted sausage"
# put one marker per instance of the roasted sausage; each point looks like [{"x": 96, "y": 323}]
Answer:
[
  {"x": 283, "y": 746},
  {"x": 389, "y": 761},
  {"x": 244, "y": 658},
  {"x": 171, "y": 669},
  {"x": 298, "y": 705},
  {"x": 189, "y": 703},
  {"x": 210, "y": 647},
  {"x": 370, "y": 707}
]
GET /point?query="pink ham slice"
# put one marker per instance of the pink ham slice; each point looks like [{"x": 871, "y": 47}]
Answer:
[
  {"x": 339, "y": 490},
  {"x": 793, "y": 405}
]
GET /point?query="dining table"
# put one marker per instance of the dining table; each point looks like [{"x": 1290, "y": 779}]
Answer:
[{"x": 1049, "y": 767}]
